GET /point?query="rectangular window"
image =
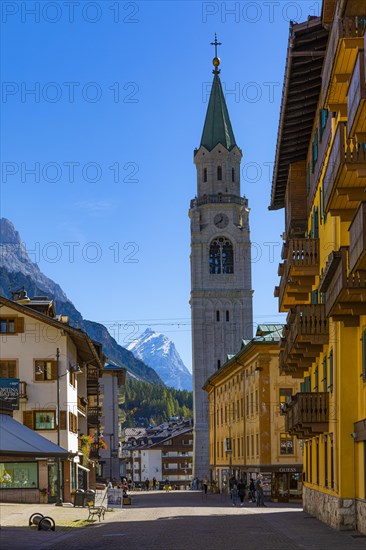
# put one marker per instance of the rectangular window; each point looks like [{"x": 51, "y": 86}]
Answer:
[
  {"x": 8, "y": 369},
  {"x": 72, "y": 376},
  {"x": 251, "y": 404},
  {"x": 73, "y": 423},
  {"x": 316, "y": 223},
  {"x": 331, "y": 462},
  {"x": 256, "y": 401},
  {"x": 242, "y": 407},
  {"x": 364, "y": 354},
  {"x": 308, "y": 179},
  {"x": 44, "y": 420},
  {"x": 325, "y": 461},
  {"x": 233, "y": 408},
  {"x": 316, "y": 379},
  {"x": 248, "y": 449},
  {"x": 225, "y": 414},
  {"x": 323, "y": 117},
  {"x": 227, "y": 316},
  {"x": 234, "y": 447},
  {"x": 285, "y": 395},
  {"x": 317, "y": 461},
  {"x": 325, "y": 374},
  {"x": 247, "y": 407},
  {"x": 331, "y": 373},
  {"x": 305, "y": 386},
  {"x": 311, "y": 462},
  {"x": 315, "y": 150},
  {"x": 257, "y": 444},
  {"x": 286, "y": 444},
  {"x": 252, "y": 444},
  {"x": 45, "y": 370},
  {"x": 18, "y": 475},
  {"x": 238, "y": 446}
]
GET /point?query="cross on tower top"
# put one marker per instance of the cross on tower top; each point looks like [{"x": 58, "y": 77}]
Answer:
[{"x": 216, "y": 59}]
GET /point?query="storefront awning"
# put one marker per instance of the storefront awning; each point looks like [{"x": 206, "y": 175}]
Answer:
[{"x": 18, "y": 440}]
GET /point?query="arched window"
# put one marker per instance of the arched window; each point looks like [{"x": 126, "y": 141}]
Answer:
[
  {"x": 227, "y": 315},
  {"x": 217, "y": 315},
  {"x": 221, "y": 258},
  {"x": 218, "y": 363},
  {"x": 205, "y": 175},
  {"x": 232, "y": 175},
  {"x": 219, "y": 173}
]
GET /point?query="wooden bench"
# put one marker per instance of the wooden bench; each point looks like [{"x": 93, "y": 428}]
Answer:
[{"x": 96, "y": 511}]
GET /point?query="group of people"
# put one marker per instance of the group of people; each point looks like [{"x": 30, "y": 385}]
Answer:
[
  {"x": 151, "y": 484},
  {"x": 255, "y": 494}
]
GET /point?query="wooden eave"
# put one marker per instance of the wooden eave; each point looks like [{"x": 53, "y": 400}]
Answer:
[{"x": 300, "y": 96}]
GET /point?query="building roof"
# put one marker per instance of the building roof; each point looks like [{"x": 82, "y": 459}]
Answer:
[
  {"x": 16, "y": 439},
  {"x": 262, "y": 338},
  {"x": 156, "y": 435},
  {"x": 217, "y": 127},
  {"x": 87, "y": 349},
  {"x": 300, "y": 95}
]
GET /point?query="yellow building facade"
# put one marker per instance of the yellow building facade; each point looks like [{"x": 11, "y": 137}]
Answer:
[
  {"x": 320, "y": 180},
  {"x": 247, "y": 429}
]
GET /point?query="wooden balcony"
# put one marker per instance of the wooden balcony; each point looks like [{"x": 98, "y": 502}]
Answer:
[
  {"x": 92, "y": 381},
  {"x": 357, "y": 240},
  {"x": 307, "y": 414},
  {"x": 298, "y": 272},
  {"x": 295, "y": 201},
  {"x": 345, "y": 292},
  {"x": 304, "y": 335},
  {"x": 94, "y": 451},
  {"x": 357, "y": 100},
  {"x": 345, "y": 176},
  {"x": 346, "y": 37},
  {"x": 94, "y": 414}
]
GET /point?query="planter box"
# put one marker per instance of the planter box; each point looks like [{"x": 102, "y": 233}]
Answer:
[{"x": 126, "y": 501}]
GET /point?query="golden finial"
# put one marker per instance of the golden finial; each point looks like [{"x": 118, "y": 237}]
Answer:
[{"x": 216, "y": 59}]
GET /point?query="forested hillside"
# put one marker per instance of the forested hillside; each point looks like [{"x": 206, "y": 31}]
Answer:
[{"x": 154, "y": 404}]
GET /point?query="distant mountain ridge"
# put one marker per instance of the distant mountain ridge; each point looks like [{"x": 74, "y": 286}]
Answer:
[
  {"x": 18, "y": 270},
  {"x": 157, "y": 351}
]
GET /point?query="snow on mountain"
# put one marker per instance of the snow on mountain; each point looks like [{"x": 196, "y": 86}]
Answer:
[
  {"x": 17, "y": 270},
  {"x": 157, "y": 351}
]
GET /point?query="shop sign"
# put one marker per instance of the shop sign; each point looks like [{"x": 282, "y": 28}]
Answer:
[
  {"x": 287, "y": 470},
  {"x": 9, "y": 392}
]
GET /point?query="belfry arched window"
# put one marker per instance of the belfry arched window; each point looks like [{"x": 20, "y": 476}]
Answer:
[
  {"x": 221, "y": 258},
  {"x": 205, "y": 175},
  {"x": 219, "y": 173}
]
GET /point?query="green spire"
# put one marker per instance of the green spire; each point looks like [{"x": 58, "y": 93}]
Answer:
[{"x": 217, "y": 128}]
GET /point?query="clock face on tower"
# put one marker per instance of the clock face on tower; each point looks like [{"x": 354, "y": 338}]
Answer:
[{"x": 221, "y": 220}]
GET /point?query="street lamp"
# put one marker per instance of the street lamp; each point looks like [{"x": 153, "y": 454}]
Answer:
[{"x": 76, "y": 370}]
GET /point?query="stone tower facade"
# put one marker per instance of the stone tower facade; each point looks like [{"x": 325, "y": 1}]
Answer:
[{"x": 221, "y": 286}]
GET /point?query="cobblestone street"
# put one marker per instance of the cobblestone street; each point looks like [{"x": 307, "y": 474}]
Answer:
[{"x": 176, "y": 521}]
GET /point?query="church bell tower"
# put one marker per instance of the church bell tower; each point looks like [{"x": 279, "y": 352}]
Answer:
[{"x": 221, "y": 286}]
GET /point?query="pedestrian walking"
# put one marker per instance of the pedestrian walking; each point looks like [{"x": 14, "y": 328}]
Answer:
[
  {"x": 252, "y": 497},
  {"x": 259, "y": 490},
  {"x": 154, "y": 483},
  {"x": 234, "y": 495},
  {"x": 147, "y": 483},
  {"x": 241, "y": 491},
  {"x": 205, "y": 484}
]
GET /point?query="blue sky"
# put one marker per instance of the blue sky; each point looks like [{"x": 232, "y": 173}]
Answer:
[{"x": 102, "y": 106}]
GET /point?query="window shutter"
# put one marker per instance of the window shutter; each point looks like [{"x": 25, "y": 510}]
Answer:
[
  {"x": 12, "y": 371},
  {"x": 63, "y": 420},
  {"x": 54, "y": 371},
  {"x": 19, "y": 324},
  {"x": 28, "y": 419}
]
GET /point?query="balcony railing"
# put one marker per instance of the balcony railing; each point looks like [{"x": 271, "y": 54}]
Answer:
[
  {"x": 357, "y": 240},
  {"x": 94, "y": 414},
  {"x": 217, "y": 199},
  {"x": 307, "y": 414},
  {"x": 299, "y": 269},
  {"x": 305, "y": 333},
  {"x": 357, "y": 99},
  {"x": 345, "y": 175},
  {"x": 351, "y": 31},
  {"x": 94, "y": 451},
  {"x": 345, "y": 292}
]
